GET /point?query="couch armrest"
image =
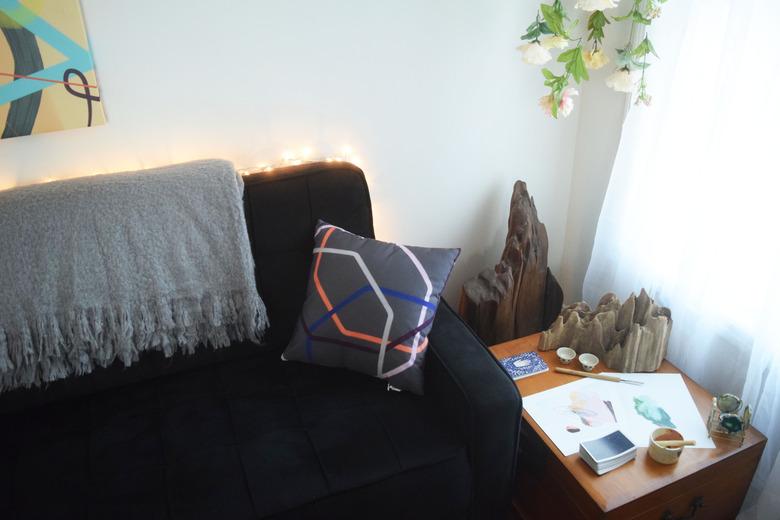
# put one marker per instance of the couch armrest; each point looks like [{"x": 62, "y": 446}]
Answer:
[{"x": 468, "y": 385}]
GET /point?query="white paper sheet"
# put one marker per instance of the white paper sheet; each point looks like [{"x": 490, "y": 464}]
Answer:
[{"x": 589, "y": 408}]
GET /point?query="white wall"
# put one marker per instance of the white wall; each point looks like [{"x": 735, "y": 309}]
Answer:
[
  {"x": 601, "y": 116},
  {"x": 431, "y": 94},
  {"x": 601, "y": 113}
]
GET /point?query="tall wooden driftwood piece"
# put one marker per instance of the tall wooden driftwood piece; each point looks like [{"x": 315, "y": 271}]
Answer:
[{"x": 519, "y": 296}]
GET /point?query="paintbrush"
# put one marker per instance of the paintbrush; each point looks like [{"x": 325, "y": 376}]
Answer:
[
  {"x": 676, "y": 444},
  {"x": 603, "y": 377}
]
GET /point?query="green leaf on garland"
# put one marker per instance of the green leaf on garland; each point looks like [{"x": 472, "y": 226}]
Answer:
[
  {"x": 532, "y": 32},
  {"x": 531, "y": 35},
  {"x": 638, "y": 17},
  {"x": 565, "y": 56},
  {"x": 596, "y": 23},
  {"x": 536, "y": 29},
  {"x": 578, "y": 69},
  {"x": 557, "y": 96},
  {"x": 575, "y": 64},
  {"x": 644, "y": 48},
  {"x": 627, "y": 59},
  {"x": 635, "y": 14},
  {"x": 554, "y": 19}
]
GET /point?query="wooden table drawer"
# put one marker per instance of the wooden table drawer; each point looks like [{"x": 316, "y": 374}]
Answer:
[
  {"x": 713, "y": 493},
  {"x": 716, "y": 500}
]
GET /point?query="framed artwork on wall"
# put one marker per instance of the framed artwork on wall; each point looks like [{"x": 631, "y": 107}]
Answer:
[{"x": 47, "y": 77}]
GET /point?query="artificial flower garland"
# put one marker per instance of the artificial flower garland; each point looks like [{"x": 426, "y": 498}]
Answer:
[{"x": 552, "y": 31}]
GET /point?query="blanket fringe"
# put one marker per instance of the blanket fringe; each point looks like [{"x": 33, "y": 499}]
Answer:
[{"x": 48, "y": 348}]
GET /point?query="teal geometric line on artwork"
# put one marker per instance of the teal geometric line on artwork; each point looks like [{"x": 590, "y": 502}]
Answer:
[{"x": 78, "y": 57}]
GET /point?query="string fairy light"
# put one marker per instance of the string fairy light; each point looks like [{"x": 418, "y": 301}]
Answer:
[{"x": 305, "y": 155}]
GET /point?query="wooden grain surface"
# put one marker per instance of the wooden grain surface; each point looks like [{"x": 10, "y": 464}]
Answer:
[
  {"x": 623, "y": 488},
  {"x": 508, "y": 300}
]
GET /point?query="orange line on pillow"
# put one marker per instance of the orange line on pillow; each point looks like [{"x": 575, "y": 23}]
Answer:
[
  {"x": 337, "y": 320},
  {"x": 408, "y": 350},
  {"x": 329, "y": 306}
]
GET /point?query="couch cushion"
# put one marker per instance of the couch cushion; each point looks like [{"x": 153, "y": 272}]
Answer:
[{"x": 239, "y": 439}]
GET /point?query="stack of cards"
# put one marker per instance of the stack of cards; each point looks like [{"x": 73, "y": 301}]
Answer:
[{"x": 608, "y": 452}]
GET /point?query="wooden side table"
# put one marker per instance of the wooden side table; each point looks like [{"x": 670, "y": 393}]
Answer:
[{"x": 704, "y": 484}]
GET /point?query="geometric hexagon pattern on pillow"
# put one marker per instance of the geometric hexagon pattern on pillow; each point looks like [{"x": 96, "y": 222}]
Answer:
[{"x": 370, "y": 305}]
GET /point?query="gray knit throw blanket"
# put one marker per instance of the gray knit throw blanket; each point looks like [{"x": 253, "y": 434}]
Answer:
[{"x": 104, "y": 268}]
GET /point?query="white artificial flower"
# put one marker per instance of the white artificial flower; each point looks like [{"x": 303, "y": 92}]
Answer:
[
  {"x": 594, "y": 60},
  {"x": 623, "y": 80},
  {"x": 596, "y": 5},
  {"x": 555, "y": 42},
  {"x": 535, "y": 54},
  {"x": 564, "y": 107}
]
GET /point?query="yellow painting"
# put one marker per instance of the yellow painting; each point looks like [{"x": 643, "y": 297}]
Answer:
[{"x": 47, "y": 77}]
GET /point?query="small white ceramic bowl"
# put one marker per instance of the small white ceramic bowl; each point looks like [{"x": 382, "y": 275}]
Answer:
[
  {"x": 565, "y": 355},
  {"x": 588, "y": 361}
]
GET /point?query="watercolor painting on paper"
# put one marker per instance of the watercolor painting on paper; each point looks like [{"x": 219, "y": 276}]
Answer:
[
  {"x": 573, "y": 414},
  {"x": 592, "y": 410},
  {"x": 586, "y": 409},
  {"x": 645, "y": 406}
]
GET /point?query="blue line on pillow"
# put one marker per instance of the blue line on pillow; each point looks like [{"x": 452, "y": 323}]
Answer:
[
  {"x": 408, "y": 297},
  {"x": 357, "y": 294},
  {"x": 346, "y": 301}
]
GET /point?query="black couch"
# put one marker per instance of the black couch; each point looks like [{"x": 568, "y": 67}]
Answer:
[{"x": 236, "y": 433}]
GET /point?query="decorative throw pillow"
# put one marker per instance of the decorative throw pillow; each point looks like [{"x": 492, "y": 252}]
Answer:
[{"x": 370, "y": 305}]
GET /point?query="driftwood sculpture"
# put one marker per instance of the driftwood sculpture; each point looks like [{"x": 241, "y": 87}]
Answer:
[
  {"x": 520, "y": 296},
  {"x": 628, "y": 338}
]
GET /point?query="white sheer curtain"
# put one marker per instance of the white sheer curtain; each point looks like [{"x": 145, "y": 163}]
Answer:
[{"x": 692, "y": 212}]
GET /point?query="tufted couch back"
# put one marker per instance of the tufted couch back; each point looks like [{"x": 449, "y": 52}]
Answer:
[{"x": 282, "y": 208}]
